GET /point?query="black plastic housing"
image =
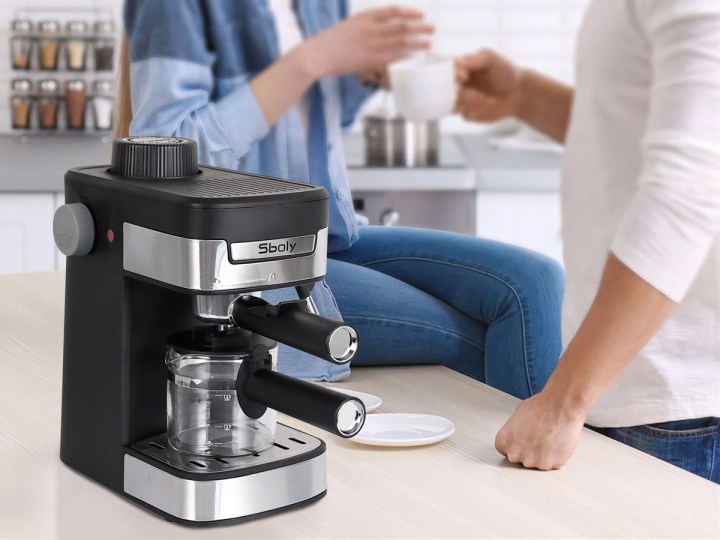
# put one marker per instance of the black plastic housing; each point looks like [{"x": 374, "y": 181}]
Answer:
[
  {"x": 198, "y": 206},
  {"x": 117, "y": 323}
]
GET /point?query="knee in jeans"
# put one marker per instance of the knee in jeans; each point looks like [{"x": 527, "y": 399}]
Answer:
[{"x": 542, "y": 270}]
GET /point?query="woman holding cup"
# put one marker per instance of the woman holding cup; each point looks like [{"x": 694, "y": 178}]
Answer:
[{"x": 268, "y": 87}]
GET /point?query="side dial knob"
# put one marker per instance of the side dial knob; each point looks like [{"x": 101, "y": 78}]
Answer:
[{"x": 74, "y": 229}]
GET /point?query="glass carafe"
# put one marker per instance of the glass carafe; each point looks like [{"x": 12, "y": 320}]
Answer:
[{"x": 203, "y": 413}]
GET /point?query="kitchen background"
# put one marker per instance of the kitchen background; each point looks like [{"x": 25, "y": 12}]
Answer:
[{"x": 499, "y": 182}]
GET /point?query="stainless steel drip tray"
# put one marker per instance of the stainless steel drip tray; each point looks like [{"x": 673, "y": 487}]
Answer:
[
  {"x": 290, "y": 445},
  {"x": 201, "y": 489}
]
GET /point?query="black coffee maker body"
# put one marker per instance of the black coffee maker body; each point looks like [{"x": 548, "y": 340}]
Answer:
[{"x": 162, "y": 251}]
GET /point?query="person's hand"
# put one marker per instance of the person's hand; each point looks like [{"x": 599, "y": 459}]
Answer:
[
  {"x": 542, "y": 433},
  {"x": 379, "y": 77},
  {"x": 490, "y": 87},
  {"x": 369, "y": 40}
]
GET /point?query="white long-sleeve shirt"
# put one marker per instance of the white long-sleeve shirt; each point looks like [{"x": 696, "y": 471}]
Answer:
[{"x": 641, "y": 178}]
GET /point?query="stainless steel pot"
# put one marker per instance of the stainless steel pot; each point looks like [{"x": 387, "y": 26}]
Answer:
[{"x": 396, "y": 142}]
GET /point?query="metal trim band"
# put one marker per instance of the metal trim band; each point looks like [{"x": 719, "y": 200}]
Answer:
[
  {"x": 214, "y": 500},
  {"x": 205, "y": 265}
]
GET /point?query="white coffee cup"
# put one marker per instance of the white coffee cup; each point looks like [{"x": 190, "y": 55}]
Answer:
[{"x": 424, "y": 87}]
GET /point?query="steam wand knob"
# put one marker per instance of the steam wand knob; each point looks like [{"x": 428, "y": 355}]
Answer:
[{"x": 290, "y": 324}]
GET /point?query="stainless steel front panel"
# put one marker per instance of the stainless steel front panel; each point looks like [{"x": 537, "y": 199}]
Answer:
[
  {"x": 205, "y": 265},
  {"x": 213, "y": 500},
  {"x": 272, "y": 249}
]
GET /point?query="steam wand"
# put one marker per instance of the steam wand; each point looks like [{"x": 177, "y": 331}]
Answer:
[
  {"x": 258, "y": 387},
  {"x": 294, "y": 323},
  {"x": 289, "y": 323}
]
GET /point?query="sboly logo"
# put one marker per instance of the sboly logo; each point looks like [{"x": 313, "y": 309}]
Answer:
[{"x": 269, "y": 247}]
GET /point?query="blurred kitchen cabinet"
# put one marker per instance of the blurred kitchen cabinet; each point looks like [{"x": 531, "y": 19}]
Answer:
[
  {"x": 452, "y": 211},
  {"x": 26, "y": 240},
  {"x": 528, "y": 219}
]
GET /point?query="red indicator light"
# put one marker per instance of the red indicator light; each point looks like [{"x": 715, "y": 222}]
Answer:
[{"x": 110, "y": 235}]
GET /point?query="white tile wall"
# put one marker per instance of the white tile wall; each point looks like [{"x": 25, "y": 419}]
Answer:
[{"x": 537, "y": 33}]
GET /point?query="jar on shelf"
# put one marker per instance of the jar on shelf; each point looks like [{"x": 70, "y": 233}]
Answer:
[
  {"x": 21, "y": 44},
  {"x": 49, "y": 45},
  {"x": 48, "y": 103},
  {"x": 103, "y": 103},
  {"x": 76, "y": 45},
  {"x": 21, "y": 103},
  {"x": 104, "y": 45},
  {"x": 75, "y": 104}
]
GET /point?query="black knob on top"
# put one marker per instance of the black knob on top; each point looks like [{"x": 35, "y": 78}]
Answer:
[{"x": 154, "y": 157}]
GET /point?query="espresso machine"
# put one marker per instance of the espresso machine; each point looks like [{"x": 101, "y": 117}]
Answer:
[{"x": 170, "y": 383}]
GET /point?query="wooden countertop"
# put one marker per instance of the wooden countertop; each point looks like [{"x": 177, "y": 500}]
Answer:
[{"x": 458, "y": 488}]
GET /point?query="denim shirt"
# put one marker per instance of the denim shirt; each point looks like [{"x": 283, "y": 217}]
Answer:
[{"x": 190, "y": 65}]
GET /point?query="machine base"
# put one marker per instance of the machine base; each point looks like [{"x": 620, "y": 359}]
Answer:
[
  {"x": 199, "y": 490},
  {"x": 224, "y": 522}
]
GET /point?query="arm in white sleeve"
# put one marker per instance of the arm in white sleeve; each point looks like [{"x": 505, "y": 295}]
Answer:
[{"x": 675, "y": 215}]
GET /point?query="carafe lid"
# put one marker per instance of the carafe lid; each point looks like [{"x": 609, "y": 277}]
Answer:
[
  {"x": 49, "y": 27},
  {"x": 76, "y": 27},
  {"x": 76, "y": 85},
  {"x": 154, "y": 157},
  {"x": 213, "y": 340},
  {"x": 104, "y": 28},
  {"x": 103, "y": 87},
  {"x": 21, "y": 86},
  {"x": 48, "y": 86},
  {"x": 22, "y": 26}
]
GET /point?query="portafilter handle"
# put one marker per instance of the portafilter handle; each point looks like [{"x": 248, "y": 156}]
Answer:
[
  {"x": 290, "y": 324},
  {"x": 258, "y": 387}
]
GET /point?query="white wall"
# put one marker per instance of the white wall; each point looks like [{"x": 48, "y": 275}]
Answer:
[{"x": 537, "y": 33}]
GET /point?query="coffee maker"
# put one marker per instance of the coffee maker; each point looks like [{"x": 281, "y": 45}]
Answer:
[{"x": 170, "y": 388}]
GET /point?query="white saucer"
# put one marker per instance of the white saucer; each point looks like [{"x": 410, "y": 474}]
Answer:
[
  {"x": 404, "y": 430},
  {"x": 370, "y": 401}
]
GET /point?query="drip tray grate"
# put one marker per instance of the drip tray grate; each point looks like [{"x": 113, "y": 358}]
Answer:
[{"x": 289, "y": 442}]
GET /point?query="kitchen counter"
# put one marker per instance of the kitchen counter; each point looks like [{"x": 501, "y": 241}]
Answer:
[
  {"x": 453, "y": 173},
  {"x": 37, "y": 163},
  {"x": 460, "y": 487},
  {"x": 510, "y": 169},
  {"x": 467, "y": 161}
]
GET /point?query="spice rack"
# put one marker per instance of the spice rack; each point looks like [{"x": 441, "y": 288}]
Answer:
[{"x": 62, "y": 62}]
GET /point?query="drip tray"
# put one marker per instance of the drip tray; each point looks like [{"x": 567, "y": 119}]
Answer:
[{"x": 289, "y": 443}]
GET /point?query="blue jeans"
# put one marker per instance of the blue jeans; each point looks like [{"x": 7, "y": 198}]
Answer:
[
  {"x": 693, "y": 445},
  {"x": 488, "y": 310}
]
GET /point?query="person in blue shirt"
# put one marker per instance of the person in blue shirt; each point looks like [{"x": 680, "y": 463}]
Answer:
[{"x": 271, "y": 93}]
